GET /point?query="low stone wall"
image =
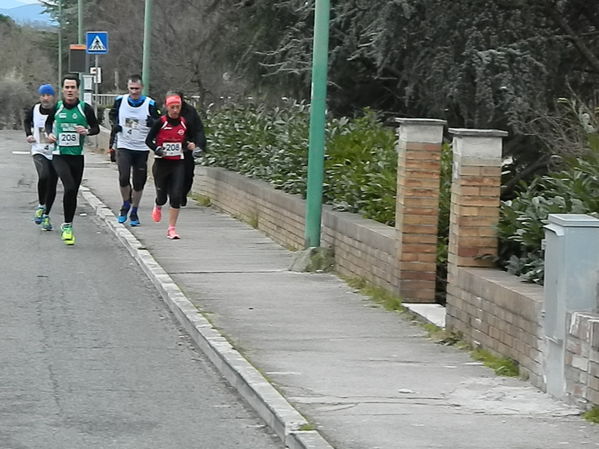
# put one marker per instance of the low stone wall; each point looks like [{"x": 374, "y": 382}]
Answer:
[
  {"x": 582, "y": 359},
  {"x": 363, "y": 248},
  {"x": 496, "y": 311}
]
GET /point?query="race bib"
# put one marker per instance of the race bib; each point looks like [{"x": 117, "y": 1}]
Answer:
[
  {"x": 131, "y": 123},
  {"x": 68, "y": 139},
  {"x": 42, "y": 134},
  {"x": 172, "y": 148}
]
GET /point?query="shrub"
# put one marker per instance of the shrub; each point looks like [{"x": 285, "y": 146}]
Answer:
[
  {"x": 360, "y": 156},
  {"x": 572, "y": 191},
  {"x": 443, "y": 222},
  {"x": 361, "y": 167}
]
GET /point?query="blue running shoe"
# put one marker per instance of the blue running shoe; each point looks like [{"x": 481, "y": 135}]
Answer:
[
  {"x": 122, "y": 218},
  {"x": 39, "y": 213},
  {"x": 134, "y": 219}
]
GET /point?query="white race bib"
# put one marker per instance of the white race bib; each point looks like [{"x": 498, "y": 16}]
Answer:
[
  {"x": 42, "y": 133},
  {"x": 172, "y": 148},
  {"x": 68, "y": 139},
  {"x": 131, "y": 123}
]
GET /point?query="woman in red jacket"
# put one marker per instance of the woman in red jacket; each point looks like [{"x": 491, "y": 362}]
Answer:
[{"x": 169, "y": 138}]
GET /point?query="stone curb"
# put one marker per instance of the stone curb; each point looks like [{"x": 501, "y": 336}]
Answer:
[{"x": 270, "y": 405}]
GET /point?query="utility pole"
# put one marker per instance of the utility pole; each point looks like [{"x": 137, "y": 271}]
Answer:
[
  {"x": 147, "y": 45},
  {"x": 59, "y": 43},
  {"x": 320, "y": 57},
  {"x": 80, "y": 37}
]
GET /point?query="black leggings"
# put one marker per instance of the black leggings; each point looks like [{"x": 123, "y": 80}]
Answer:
[
  {"x": 132, "y": 164},
  {"x": 168, "y": 179},
  {"x": 70, "y": 171},
  {"x": 47, "y": 179}
]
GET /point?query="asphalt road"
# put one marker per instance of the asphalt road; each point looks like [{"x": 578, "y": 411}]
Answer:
[{"x": 89, "y": 355}]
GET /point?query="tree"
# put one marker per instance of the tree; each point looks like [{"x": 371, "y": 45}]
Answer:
[
  {"x": 489, "y": 63},
  {"x": 25, "y": 65}
]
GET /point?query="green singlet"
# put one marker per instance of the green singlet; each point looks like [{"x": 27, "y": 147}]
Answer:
[{"x": 65, "y": 120}]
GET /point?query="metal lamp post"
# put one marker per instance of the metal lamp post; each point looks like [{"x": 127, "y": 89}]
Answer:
[
  {"x": 147, "y": 45},
  {"x": 317, "y": 124},
  {"x": 59, "y": 42},
  {"x": 80, "y": 36}
]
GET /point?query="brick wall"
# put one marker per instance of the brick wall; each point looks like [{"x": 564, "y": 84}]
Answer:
[
  {"x": 498, "y": 312},
  {"x": 363, "y": 248},
  {"x": 582, "y": 359}
]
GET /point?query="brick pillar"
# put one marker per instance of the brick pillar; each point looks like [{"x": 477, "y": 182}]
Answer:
[
  {"x": 417, "y": 207},
  {"x": 475, "y": 192}
]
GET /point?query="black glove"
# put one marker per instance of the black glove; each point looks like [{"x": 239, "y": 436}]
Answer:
[
  {"x": 150, "y": 121},
  {"x": 117, "y": 128},
  {"x": 159, "y": 151}
]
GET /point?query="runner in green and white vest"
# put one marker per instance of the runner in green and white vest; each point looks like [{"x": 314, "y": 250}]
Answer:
[
  {"x": 67, "y": 126},
  {"x": 66, "y": 120}
]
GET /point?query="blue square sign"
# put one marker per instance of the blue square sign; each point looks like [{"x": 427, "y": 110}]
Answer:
[{"x": 96, "y": 43}]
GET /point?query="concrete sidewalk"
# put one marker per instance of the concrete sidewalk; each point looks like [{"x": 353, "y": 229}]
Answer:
[{"x": 359, "y": 376}]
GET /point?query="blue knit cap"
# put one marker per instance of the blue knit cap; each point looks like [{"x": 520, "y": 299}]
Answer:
[{"x": 46, "y": 89}]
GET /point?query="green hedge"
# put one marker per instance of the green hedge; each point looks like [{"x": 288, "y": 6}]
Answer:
[{"x": 272, "y": 144}]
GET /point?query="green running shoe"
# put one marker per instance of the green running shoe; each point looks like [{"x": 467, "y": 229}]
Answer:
[
  {"x": 67, "y": 234},
  {"x": 46, "y": 225}
]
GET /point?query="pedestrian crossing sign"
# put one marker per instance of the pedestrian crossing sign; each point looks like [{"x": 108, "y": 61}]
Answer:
[{"x": 97, "y": 43}]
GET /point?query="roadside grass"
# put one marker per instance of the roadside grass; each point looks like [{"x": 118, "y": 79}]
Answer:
[
  {"x": 253, "y": 220},
  {"x": 592, "y": 415},
  {"x": 376, "y": 294},
  {"x": 501, "y": 365},
  {"x": 202, "y": 200}
]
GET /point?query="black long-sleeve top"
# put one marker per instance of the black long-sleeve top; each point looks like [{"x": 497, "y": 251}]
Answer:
[
  {"x": 194, "y": 121},
  {"x": 88, "y": 111}
]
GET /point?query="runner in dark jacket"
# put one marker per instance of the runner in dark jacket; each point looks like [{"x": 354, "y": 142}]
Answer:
[{"x": 192, "y": 117}]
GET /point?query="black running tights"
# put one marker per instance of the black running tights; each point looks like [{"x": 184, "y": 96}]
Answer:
[
  {"x": 168, "y": 180},
  {"x": 70, "y": 171},
  {"x": 46, "y": 181},
  {"x": 133, "y": 165}
]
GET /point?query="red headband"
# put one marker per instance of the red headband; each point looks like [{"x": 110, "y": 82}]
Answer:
[{"x": 173, "y": 99}]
